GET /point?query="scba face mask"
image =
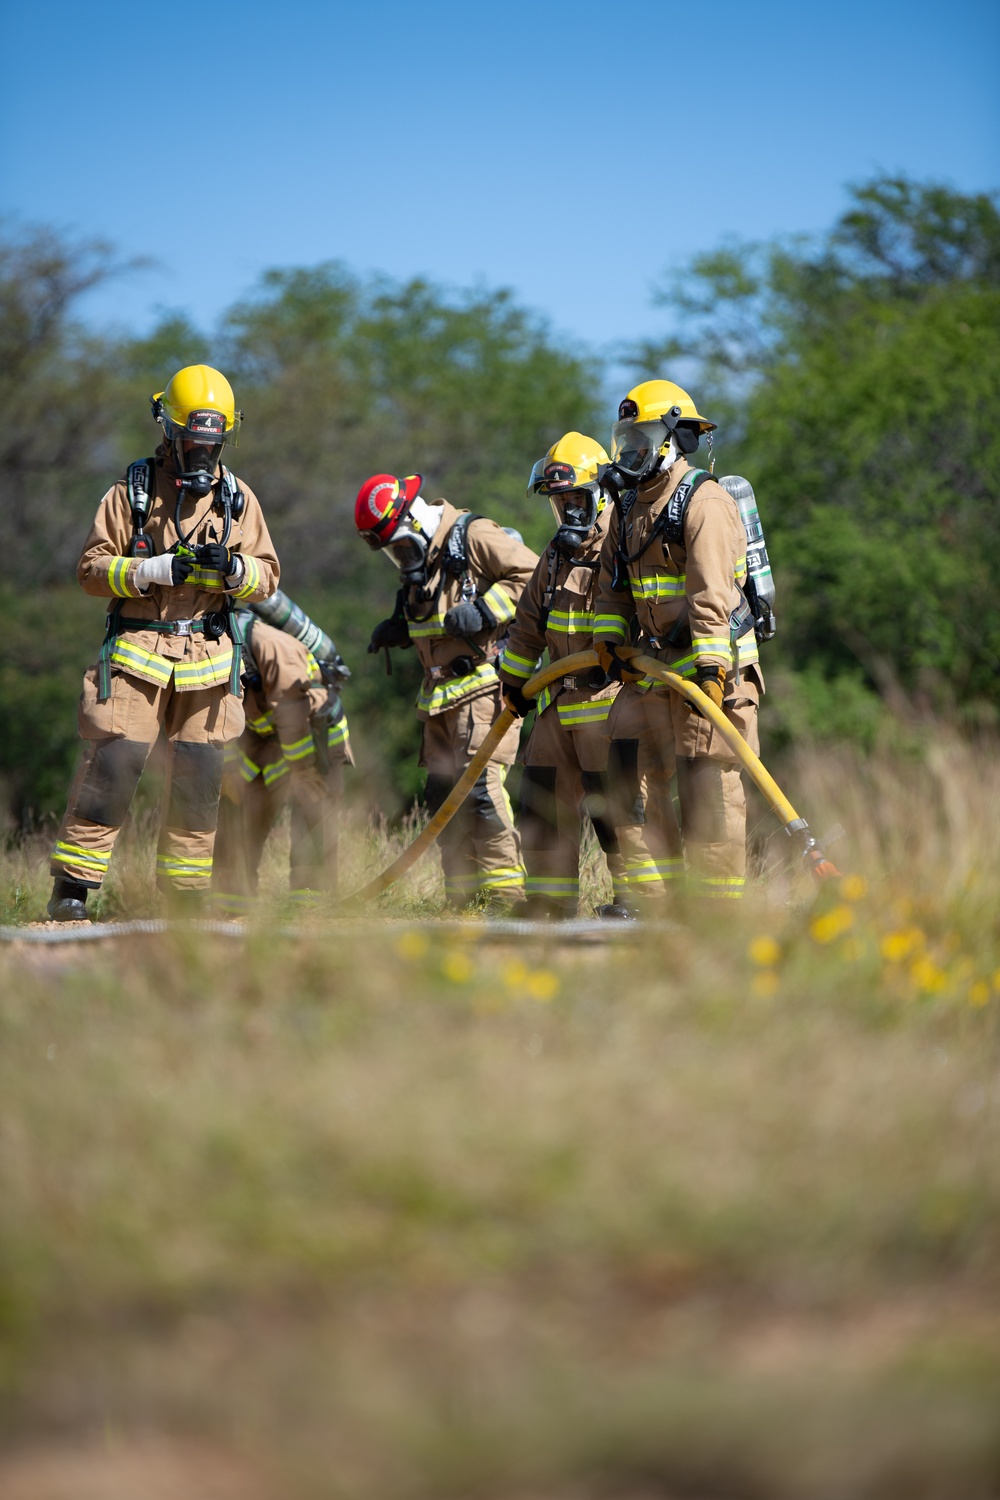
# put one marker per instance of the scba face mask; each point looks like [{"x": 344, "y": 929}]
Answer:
[
  {"x": 411, "y": 542},
  {"x": 197, "y": 448},
  {"x": 576, "y": 514}
]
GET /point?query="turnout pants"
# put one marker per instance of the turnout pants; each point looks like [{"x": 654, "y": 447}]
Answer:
[
  {"x": 565, "y": 779},
  {"x": 118, "y": 736},
  {"x": 653, "y": 735},
  {"x": 250, "y": 809},
  {"x": 480, "y": 850}
]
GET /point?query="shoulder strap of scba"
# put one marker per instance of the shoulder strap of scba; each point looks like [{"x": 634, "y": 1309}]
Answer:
[
  {"x": 139, "y": 486},
  {"x": 669, "y": 524},
  {"x": 455, "y": 552}
]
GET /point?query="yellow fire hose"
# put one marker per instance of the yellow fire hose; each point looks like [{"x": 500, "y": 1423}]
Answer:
[{"x": 580, "y": 661}]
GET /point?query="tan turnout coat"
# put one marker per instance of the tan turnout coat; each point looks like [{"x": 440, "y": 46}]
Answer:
[{"x": 499, "y": 567}]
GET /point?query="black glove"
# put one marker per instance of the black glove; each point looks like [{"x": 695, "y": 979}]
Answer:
[
  {"x": 516, "y": 700},
  {"x": 215, "y": 555},
  {"x": 468, "y": 618},
  {"x": 180, "y": 569},
  {"x": 391, "y": 632}
]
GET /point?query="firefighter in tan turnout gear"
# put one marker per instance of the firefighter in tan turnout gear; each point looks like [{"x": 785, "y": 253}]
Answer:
[
  {"x": 565, "y": 758},
  {"x": 292, "y": 752},
  {"x": 460, "y": 579},
  {"x": 672, "y": 569},
  {"x": 173, "y": 545}
]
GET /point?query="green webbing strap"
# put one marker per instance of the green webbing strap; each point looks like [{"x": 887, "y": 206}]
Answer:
[
  {"x": 108, "y": 645},
  {"x": 238, "y": 638}
]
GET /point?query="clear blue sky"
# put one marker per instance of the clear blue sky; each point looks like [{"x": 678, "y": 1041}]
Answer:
[{"x": 571, "y": 151}]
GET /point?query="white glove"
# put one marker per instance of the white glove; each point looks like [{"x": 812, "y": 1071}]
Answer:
[
  {"x": 235, "y": 578},
  {"x": 166, "y": 570}
]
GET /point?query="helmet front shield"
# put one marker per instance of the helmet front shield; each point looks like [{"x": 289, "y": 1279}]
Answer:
[{"x": 636, "y": 445}]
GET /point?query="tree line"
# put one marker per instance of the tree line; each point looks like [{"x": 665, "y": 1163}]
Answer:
[{"x": 855, "y": 376}]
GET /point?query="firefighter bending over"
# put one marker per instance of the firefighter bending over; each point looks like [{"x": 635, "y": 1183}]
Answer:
[
  {"x": 672, "y": 569},
  {"x": 461, "y": 577},
  {"x": 565, "y": 758},
  {"x": 292, "y": 752},
  {"x": 173, "y": 545}
]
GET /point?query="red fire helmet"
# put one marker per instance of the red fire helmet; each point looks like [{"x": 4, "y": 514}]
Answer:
[{"x": 382, "y": 502}]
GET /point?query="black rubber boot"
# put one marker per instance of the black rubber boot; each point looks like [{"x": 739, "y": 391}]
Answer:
[
  {"x": 616, "y": 911},
  {"x": 68, "y": 902}
]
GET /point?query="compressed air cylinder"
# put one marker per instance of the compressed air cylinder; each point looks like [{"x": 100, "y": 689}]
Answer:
[
  {"x": 284, "y": 614},
  {"x": 760, "y": 584}
]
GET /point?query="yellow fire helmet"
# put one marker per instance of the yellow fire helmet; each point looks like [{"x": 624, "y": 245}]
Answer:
[
  {"x": 651, "y": 414},
  {"x": 570, "y": 470},
  {"x": 570, "y": 464},
  {"x": 198, "y": 403}
]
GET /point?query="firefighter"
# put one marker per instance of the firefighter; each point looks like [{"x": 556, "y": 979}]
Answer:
[
  {"x": 671, "y": 574},
  {"x": 174, "y": 544},
  {"x": 460, "y": 579},
  {"x": 565, "y": 758},
  {"x": 292, "y": 751}
]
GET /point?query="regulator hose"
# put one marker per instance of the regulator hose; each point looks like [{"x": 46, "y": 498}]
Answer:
[{"x": 793, "y": 825}]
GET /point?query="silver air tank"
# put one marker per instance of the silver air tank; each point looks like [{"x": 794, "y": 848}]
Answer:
[
  {"x": 759, "y": 587},
  {"x": 284, "y": 614}
]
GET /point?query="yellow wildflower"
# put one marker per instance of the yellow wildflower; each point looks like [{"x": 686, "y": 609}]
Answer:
[
  {"x": 996, "y": 980},
  {"x": 458, "y": 967},
  {"x": 542, "y": 984},
  {"x": 832, "y": 924},
  {"x": 979, "y": 993},
  {"x": 895, "y": 946},
  {"x": 854, "y": 887},
  {"x": 765, "y": 951},
  {"x": 926, "y": 975},
  {"x": 412, "y": 944},
  {"x": 514, "y": 974}
]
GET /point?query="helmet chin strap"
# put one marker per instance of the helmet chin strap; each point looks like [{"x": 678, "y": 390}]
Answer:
[{"x": 671, "y": 453}]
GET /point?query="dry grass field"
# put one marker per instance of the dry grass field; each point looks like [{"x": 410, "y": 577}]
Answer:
[{"x": 390, "y": 1212}]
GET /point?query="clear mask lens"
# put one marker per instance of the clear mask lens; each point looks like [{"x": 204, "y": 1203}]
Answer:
[
  {"x": 407, "y": 553},
  {"x": 634, "y": 445}
]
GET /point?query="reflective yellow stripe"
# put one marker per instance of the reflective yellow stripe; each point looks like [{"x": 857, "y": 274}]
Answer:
[
  {"x": 206, "y": 578},
  {"x": 205, "y": 673},
  {"x": 654, "y": 588},
  {"x": 651, "y": 871},
  {"x": 299, "y": 749},
  {"x": 176, "y": 868},
  {"x": 517, "y": 666},
  {"x": 73, "y": 854},
  {"x": 338, "y": 734},
  {"x": 710, "y": 645},
  {"x": 499, "y": 603},
  {"x": 251, "y": 577},
  {"x": 434, "y": 699},
  {"x": 421, "y": 629},
  {"x": 552, "y": 885},
  {"x": 117, "y": 578},
  {"x": 274, "y": 772},
  {"x": 729, "y": 887},
  {"x": 263, "y": 724},
  {"x": 593, "y": 712},
  {"x": 248, "y": 769},
  {"x": 502, "y": 878},
  {"x": 141, "y": 663},
  {"x": 611, "y": 627},
  {"x": 571, "y": 621}
]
